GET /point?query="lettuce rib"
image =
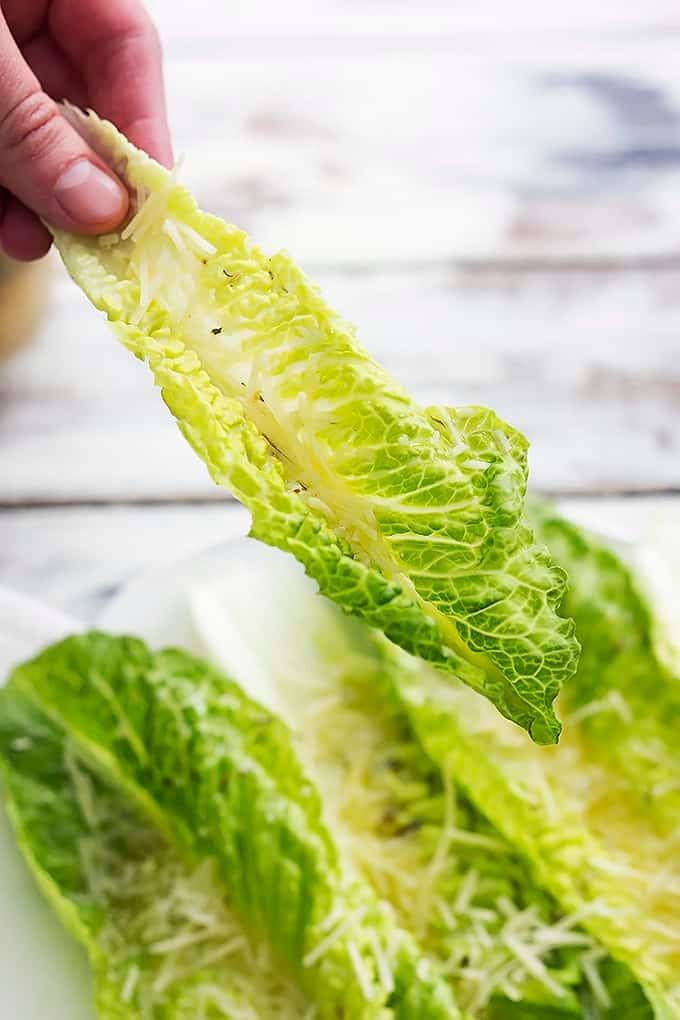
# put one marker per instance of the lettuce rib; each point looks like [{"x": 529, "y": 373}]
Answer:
[
  {"x": 214, "y": 780},
  {"x": 410, "y": 518}
]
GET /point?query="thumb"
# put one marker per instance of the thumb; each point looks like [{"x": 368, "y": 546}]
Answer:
[{"x": 43, "y": 160}]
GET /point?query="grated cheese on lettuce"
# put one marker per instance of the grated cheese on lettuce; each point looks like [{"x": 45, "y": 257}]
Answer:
[
  {"x": 162, "y": 935},
  {"x": 167, "y": 817},
  {"x": 596, "y": 817},
  {"x": 397, "y": 819}
]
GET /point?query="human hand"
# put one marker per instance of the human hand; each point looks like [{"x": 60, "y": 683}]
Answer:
[{"x": 99, "y": 53}]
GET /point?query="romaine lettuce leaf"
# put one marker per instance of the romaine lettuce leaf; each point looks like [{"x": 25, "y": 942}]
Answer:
[
  {"x": 410, "y": 518},
  {"x": 162, "y": 936},
  {"x": 624, "y": 700},
  {"x": 398, "y": 820},
  {"x": 195, "y": 782},
  {"x": 596, "y": 817},
  {"x": 625, "y": 1000}
]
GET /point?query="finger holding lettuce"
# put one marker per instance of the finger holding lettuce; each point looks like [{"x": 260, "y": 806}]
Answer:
[{"x": 103, "y": 53}]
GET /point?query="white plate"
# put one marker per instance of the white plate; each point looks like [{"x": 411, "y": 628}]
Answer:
[{"x": 155, "y": 604}]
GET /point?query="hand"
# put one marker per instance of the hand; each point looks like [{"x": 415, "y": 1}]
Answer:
[{"x": 99, "y": 53}]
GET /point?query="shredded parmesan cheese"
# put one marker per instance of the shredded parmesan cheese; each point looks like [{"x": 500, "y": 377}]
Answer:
[
  {"x": 167, "y": 927},
  {"x": 321, "y": 948},
  {"x": 367, "y": 770}
]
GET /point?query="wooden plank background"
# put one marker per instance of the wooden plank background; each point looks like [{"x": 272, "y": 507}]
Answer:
[{"x": 491, "y": 192}]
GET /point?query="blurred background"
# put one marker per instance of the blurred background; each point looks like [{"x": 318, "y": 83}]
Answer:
[{"x": 490, "y": 191}]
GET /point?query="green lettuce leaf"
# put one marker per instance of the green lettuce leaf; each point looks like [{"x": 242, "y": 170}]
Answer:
[
  {"x": 624, "y": 700},
  {"x": 122, "y": 763},
  {"x": 401, "y": 822},
  {"x": 596, "y": 817},
  {"x": 162, "y": 937},
  {"x": 410, "y": 518},
  {"x": 626, "y": 999}
]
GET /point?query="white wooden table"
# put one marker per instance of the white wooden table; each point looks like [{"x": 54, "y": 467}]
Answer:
[{"x": 490, "y": 191}]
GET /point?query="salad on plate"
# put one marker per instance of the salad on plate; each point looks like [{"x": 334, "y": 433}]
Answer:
[{"x": 246, "y": 800}]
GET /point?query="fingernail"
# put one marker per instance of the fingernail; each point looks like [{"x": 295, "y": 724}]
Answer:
[{"x": 90, "y": 196}]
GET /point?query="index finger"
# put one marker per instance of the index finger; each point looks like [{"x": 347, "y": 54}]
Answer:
[{"x": 116, "y": 48}]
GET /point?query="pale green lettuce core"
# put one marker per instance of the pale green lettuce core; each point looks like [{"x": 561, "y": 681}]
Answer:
[
  {"x": 598, "y": 816},
  {"x": 411, "y": 519},
  {"x": 166, "y": 816}
]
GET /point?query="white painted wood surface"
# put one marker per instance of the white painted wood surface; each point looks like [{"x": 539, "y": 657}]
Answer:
[
  {"x": 340, "y": 22},
  {"x": 491, "y": 192},
  {"x": 587, "y": 364}
]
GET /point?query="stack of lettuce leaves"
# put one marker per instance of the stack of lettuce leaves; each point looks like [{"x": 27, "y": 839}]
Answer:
[
  {"x": 548, "y": 877},
  {"x": 371, "y": 839},
  {"x": 410, "y": 518}
]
